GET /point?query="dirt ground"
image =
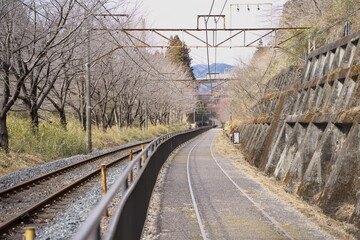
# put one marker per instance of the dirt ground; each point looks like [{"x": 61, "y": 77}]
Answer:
[
  {"x": 336, "y": 228},
  {"x": 13, "y": 162}
]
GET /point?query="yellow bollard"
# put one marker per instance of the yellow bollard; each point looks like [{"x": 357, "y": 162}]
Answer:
[
  {"x": 103, "y": 185},
  {"x": 131, "y": 172},
  {"x": 143, "y": 156},
  {"x": 29, "y": 233}
]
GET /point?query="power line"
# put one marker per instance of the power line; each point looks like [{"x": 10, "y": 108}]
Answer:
[
  {"x": 222, "y": 10},
  {"x": 207, "y": 49},
  {"x": 137, "y": 50},
  {"x": 211, "y": 8},
  {"x": 207, "y": 37}
]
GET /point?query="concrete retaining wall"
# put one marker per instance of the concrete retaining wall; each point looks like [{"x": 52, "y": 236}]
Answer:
[{"x": 306, "y": 131}]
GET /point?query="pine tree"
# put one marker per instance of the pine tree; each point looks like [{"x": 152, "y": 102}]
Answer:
[{"x": 178, "y": 53}]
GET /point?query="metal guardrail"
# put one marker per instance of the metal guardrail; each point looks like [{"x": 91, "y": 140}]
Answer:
[{"x": 128, "y": 219}]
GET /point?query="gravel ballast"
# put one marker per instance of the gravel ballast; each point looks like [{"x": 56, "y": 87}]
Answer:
[
  {"x": 14, "y": 178},
  {"x": 78, "y": 205},
  {"x": 64, "y": 225}
]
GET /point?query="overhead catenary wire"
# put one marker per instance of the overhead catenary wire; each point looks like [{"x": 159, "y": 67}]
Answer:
[
  {"x": 211, "y": 8},
  {"x": 207, "y": 38},
  {"x": 222, "y": 10},
  {"x": 137, "y": 50},
  {"x": 120, "y": 46},
  {"x": 207, "y": 50},
  {"x": 161, "y": 75}
]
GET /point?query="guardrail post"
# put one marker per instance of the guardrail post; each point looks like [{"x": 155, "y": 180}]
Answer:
[
  {"x": 29, "y": 233},
  {"x": 103, "y": 185},
  {"x": 143, "y": 156},
  {"x": 131, "y": 172}
]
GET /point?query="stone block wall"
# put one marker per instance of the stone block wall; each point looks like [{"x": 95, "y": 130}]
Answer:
[{"x": 306, "y": 132}]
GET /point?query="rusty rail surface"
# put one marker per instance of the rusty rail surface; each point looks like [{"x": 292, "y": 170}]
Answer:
[
  {"x": 21, "y": 185},
  {"x": 129, "y": 216},
  {"x": 15, "y": 219}
]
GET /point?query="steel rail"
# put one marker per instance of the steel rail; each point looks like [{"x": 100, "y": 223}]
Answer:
[
  {"x": 13, "y": 220},
  {"x": 90, "y": 229},
  {"x": 67, "y": 168}
]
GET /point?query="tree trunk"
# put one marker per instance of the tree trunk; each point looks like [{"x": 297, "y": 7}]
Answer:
[
  {"x": 63, "y": 119},
  {"x": 34, "y": 115},
  {"x": 4, "y": 136}
]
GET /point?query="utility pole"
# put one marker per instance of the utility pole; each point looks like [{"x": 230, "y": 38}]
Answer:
[
  {"x": 87, "y": 84},
  {"x": 88, "y": 73}
]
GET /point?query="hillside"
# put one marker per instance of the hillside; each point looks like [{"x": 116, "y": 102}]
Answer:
[{"x": 200, "y": 70}]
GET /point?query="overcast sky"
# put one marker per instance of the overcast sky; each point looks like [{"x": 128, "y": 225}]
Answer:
[{"x": 183, "y": 14}]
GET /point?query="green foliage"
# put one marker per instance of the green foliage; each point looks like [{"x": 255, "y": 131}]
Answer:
[
  {"x": 324, "y": 23},
  {"x": 179, "y": 54}
]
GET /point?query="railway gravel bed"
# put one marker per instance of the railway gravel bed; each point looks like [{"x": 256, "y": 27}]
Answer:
[
  {"x": 36, "y": 193},
  {"x": 65, "y": 224},
  {"x": 14, "y": 178},
  {"x": 61, "y": 217}
]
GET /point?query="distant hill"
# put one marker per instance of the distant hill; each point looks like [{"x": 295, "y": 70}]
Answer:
[{"x": 200, "y": 70}]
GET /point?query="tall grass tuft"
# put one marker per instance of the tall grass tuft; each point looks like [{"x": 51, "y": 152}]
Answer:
[
  {"x": 114, "y": 136},
  {"x": 52, "y": 142}
]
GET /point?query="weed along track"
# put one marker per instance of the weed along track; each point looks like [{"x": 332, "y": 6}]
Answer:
[{"x": 38, "y": 200}]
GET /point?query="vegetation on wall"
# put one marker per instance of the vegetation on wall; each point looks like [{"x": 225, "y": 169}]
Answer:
[{"x": 326, "y": 19}]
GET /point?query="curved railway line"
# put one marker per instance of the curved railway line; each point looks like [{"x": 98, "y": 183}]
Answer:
[{"x": 29, "y": 200}]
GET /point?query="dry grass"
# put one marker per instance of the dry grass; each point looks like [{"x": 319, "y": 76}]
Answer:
[
  {"x": 339, "y": 230},
  {"x": 52, "y": 142}
]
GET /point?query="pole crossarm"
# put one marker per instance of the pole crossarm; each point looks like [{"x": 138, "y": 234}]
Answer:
[
  {"x": 197, "y": 80},
  {"x": 231, "y": 37},
  {"x": 136, "y": 38},
  {"x": 210, "y": 16},
  {"x": 161, "y": 35},
  {"x": 288, "y": 39},
  {"x": 199, "y": 29},
  {"x": 198, "y": 38},
  {"x": 191, "y": 32},
  {"x": 259, "y": 38},
  {"x": 199, "y": 46}
]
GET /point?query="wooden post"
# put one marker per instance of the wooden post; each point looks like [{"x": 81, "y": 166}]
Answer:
[{"x": 103, "y": 185}]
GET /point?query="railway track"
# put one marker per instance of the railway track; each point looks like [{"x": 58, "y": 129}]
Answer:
[{"x": 38, "y": 199}]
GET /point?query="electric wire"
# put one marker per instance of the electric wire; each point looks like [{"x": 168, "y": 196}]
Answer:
[
  {"x": 222, "y": 10},
  {"x": 119, "y": 45},
  {"x": 207, "y": 38},
  {"x": 136, "y": 50},
  {"x": 207, "y": 50},
  {"x": 211, "y": 8},
  {"x": 161, "y": 75}
]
